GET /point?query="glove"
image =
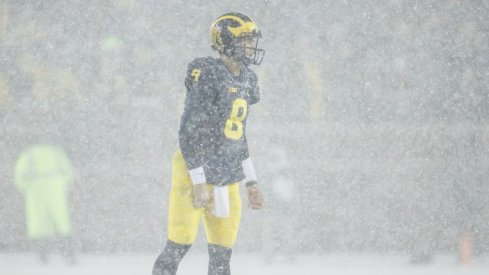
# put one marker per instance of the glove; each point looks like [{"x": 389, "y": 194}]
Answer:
[
  {"x": 201, "y": 195},
  {"x": 255, "y": 198}
]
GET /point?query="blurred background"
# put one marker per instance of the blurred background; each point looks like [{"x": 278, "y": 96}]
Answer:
[{"x": 372, "y": 133}]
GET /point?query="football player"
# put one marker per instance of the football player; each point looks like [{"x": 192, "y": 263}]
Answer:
[{"x": 213, "y": 158}]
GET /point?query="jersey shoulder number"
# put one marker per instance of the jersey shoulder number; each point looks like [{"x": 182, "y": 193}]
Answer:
[{"x": 201, "y": 71}]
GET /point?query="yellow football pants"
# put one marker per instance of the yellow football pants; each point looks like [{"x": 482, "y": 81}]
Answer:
[{"x": 183, "y": 218}]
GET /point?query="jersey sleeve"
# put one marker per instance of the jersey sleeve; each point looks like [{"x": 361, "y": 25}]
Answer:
[
  {"x": 255, "y": 91},
  {"x": 244, "y": 153},
  {"x": 199, "y": 103}
]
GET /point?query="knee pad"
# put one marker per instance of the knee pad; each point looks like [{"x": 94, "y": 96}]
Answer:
[
  {"x": 219, "y": 259},
  {"x": 168, "y": 261}
]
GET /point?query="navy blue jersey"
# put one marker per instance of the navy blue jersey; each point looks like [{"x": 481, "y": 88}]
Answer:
[{"x": 213, "y": 125}]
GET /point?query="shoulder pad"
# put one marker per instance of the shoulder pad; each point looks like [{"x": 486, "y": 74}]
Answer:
[
  {"x": 252, "y": 75},
  {"x": 202, "y": 68}
]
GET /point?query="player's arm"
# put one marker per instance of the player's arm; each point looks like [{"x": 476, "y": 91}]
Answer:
[
  {"x": 248, "y": 169},
  {"x": 255, "y": 197},
  {"x": 255, "y": 92},
  {"x": 247, "y": 165},
  {"x": 194, "y": 131},
  {"x": 195, "y": 123}
]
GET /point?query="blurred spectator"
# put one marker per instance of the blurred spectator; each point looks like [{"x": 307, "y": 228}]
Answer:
[
  {"x": 43, "y": 174},
  {"x": 49, "y": 82},
  {"x": 111, "y": 78}
]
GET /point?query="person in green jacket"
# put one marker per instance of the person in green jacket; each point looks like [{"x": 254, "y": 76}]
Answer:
[{"x": 43, "y": 174}]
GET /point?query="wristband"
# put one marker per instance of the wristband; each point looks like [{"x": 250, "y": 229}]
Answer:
[
  {"x": 248, "y": 170},
  {"x": 197, "y": 175}
]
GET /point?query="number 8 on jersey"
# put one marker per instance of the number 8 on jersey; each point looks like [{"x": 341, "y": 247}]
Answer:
[{"x": 234, "y": 125}]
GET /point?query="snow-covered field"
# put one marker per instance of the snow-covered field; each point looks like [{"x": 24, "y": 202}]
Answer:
[{"x": 243, "y": 264}]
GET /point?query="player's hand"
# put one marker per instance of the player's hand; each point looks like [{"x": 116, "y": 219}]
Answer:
[
  {"x": 255, "y": 198},
  {"x": 201, "y": 195}
]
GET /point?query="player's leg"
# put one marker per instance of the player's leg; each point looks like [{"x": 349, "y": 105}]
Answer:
[
  {"x": 219, "y": 260},
  {"x": 168, "y": 261},
  {"x": 222, "y": 233},
  {"x": 183, "y": 220}
]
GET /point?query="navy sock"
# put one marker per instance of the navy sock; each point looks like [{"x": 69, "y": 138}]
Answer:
[
  {"x": 168, "y": 261},
  {"x": 219, "y": 259}
]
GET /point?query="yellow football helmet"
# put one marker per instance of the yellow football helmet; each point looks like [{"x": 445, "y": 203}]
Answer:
[{"x": 236, "y": 35}]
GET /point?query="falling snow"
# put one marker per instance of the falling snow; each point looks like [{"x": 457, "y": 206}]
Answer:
[{"x": 371, "y": 140}]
